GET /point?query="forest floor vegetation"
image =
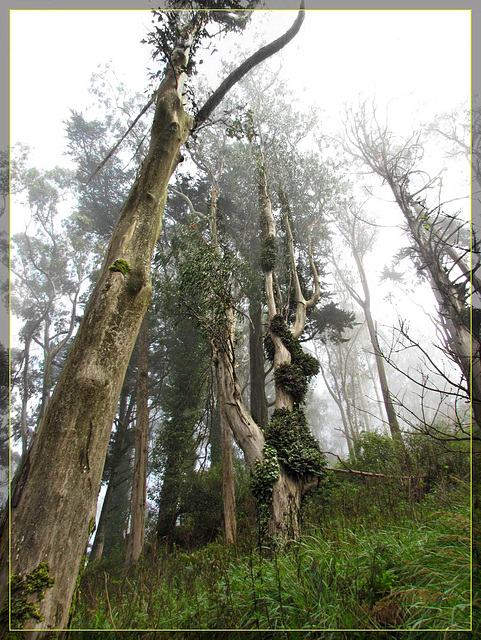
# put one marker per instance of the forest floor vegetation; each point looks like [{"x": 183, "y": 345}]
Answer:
[{"x": 370, "y": 560}]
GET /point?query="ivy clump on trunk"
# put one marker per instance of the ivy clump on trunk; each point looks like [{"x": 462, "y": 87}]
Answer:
[
  {"x": 268, "y": 253},
  {"x": 295, "y": 445},
  {"x": 294, "y": 377},
  {"x": 264, "y": 476}
]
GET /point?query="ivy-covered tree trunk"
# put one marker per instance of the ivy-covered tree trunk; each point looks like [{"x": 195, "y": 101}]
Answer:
[{"x": 289, "y": 444}]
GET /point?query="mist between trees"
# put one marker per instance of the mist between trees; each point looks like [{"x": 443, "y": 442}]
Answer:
[{"x": 246, "y": 384}]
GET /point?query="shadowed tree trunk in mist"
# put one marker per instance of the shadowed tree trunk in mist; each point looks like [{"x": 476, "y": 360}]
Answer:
[
  {"x": 256, "y": 363},
  {"x": 138, "y": 501}
]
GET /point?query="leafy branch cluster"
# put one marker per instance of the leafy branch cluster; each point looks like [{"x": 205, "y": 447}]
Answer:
[{"x": 208, "y": 278}]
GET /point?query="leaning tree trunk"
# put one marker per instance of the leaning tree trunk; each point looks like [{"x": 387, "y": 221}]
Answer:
[
  {"x": 50, "y": 524},
  {"x": 462, "y": 343}
]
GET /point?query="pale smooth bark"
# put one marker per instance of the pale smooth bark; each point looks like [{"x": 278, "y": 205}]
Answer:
[{"x": 228, "y": 486}]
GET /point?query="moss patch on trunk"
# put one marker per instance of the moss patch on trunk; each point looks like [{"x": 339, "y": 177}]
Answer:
[
  {"x": 295, "y": 445},
  {"x": 121, "y": 266},
  {"x": 26, "y": 592}
]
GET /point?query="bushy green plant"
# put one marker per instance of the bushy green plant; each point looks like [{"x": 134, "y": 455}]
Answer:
[{"x": 375, "y": 452}]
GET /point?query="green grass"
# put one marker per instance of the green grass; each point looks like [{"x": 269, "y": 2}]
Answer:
[{"x": 411, "y": 571}]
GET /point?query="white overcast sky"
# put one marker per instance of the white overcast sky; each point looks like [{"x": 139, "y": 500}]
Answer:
[{"x": 421, "y": 58}]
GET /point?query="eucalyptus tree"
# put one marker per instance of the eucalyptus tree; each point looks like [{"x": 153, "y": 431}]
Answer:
[
  {"x": 359, "y": 236},
  {"x": 214, "y": 276},
  {"x": 53, "y": 516},
  {"x": 436, "y": 238}
]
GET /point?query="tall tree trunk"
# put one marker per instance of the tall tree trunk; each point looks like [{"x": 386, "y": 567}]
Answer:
[
  {"x": 215, "y": 433},
  {"x": 50, "y": 523},
  {"x": 381, "y": 369},
  {"x": 337, "y": 396},
  {"x": 362, "y": 398},
  {"x": 228, "y": 486},
  {"x": 256, "y": 362},
  {"x": 138, "y": 502}
]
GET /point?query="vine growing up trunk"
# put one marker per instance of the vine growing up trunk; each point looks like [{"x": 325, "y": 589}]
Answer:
[{"x": 292, "y": 455}]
